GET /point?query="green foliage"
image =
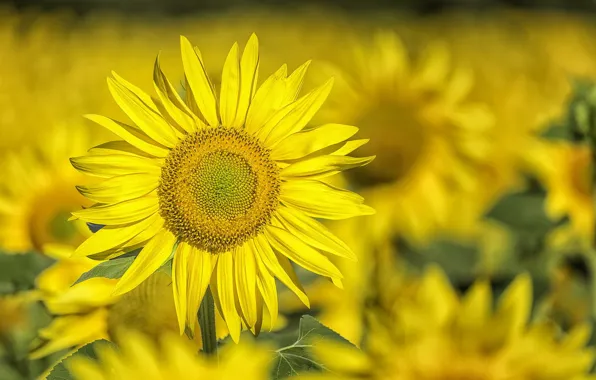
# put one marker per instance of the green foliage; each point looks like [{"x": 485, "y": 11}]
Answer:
[
  {"x": 113, "y": 268},
  {"x": 61, "y": 372},
  {"x": 15, "y": 344},
  {"x": 523, "y": 211},
  {"x": 297, "y": 357},
  {"x": 18, "y": 271}
]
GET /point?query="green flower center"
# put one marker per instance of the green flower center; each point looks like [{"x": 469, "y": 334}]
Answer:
[
  {"x": 219, "y": 188},
  {"x": 224, "y": 185}
]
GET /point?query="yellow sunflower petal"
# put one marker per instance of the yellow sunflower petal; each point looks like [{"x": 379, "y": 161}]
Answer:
[
  {"x": 280, "y": 268},
  {"x": 515, "y": 305},
  {"x": 120, "y": 188},
  {"x": 115, "y": 165},
  {"x": 245, "y": 270},
  {"x": 230, "y": 88},
  {"x": 151, "y": 257},
  {"x": 266, "y": 286},
  {"x": 137, "y": 241},
  {"x": 199, "y": 82},
  {"x": 225, "y": 291},
  {"x": 313, "y": 233},
  {"x": 294, "y": 83},
  {"x": 142, "y": 95},
  {"x": 267, "y": 100},
  {"x": 476, "y": 305},
  {"x": 142, "y": 114},
  {"x": 118, "y": 147},
  {"x": 293, "y": 117},
  {"x": 131, "y": 135},
  {"x": 349, "y": 147},
  {"x": 72, "y": 330},
  {"x": 180, "y": 284},
  {"x": 249, "y": 67},
  {"x": 303, "y": 143},
  {"x": 109, "y": 237},
  {"x": 323, "y": 166},
  {"x": 301, "y": 253},
  {"x": 256, "y": 327},
  {"x": 321, "y": 200},
  {"x": 85, "y": 369},
  {"x": 199, "y": 271},
  {"x": 340, "y": 357},
  {"x": 120, "y": 213},
  {"x": 83, "y": 297},
  {"x": 174, "y": 105}
]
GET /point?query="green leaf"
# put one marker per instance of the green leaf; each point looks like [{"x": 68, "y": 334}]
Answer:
[
  {"x": 166, "y": 268},
  {"x": 557, "y": 132},
  {"x": 61, "y": 372},
  {"x": 522, "y": 211},
  {"x": 297, "y": 358},
  {"x": 113, "y": 268},
  {"x": 19, "y": 270}
]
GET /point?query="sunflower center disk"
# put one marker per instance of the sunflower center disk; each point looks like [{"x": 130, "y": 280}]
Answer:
[
  {"x": 398, "y": 131},
  {"x": 218, "y": 189}
]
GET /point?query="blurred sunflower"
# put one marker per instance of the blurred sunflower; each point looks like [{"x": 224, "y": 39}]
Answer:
[
  {"x": 47, "y": 62},
  {"x": 37, "y": 192},
  {"x": 88, "y": 311},
  {"x": 140, "y": 358},
  {"x": 565, "y": 38},
  {"x": 416, "y": 113},
  {"x": 566, "y": 170},
  {"x": 230, "y": 186},
  {"x": 343, "y": 309},
  {"x": 430, "y": 333},
  {"x": 520, "y": 82},
  {"x": 14, "y": 311}
]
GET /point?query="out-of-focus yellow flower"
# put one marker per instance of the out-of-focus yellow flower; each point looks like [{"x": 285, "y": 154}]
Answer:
[
  {"x": 14, "y": 311},
  {"x": 431, "y": 333},
  {"x": 566, "y": 39},
  {"x": 88, "y": 310},
  {"x": 520, "y": 81},
  {"x": 343, "y": 310},
  {"x": 59, "y": 64},
  {"x": 140, "y": 358},
  {"x": 428, "y": 138},
  {"x": 37, "y": 192},
  {"x": 566, "y": 170},
  {"x": 49, "y": 65}
]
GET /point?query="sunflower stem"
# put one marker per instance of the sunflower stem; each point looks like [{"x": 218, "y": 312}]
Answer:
[{"x": 207, "y": 324}]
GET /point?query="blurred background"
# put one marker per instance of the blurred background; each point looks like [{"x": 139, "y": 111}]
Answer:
[{"x": 480, "y": 113}]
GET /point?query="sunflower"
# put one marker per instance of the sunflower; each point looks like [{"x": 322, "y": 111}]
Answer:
[
  {"x": 88, "y": 311},
  {"x": 523, "y": 86},
  {"x": 566, "y": 170},
  {"x": 432, "y": 333},
  {"x": 14, "y": 311},
  {"x": 141, "y": 358},
  {"x": 37, "y": 192},
  {"x": 227, "y": 186},
  {"x": 416, "y": 113},
  {"x": 343, "y": 310}
]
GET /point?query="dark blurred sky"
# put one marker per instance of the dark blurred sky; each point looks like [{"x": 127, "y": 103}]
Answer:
[{"x": 183, "y": 6}]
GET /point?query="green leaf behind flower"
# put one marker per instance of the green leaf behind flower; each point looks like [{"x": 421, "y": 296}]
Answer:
[
  {"x": 19, "y": 270},
  {"x": 297, "y": 357},
  {"x": 61, "y": 372},
  {"x": 114, "y": 268}
]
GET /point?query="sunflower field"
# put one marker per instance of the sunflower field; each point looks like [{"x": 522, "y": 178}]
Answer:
[{"x": 320, "y": 190}]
